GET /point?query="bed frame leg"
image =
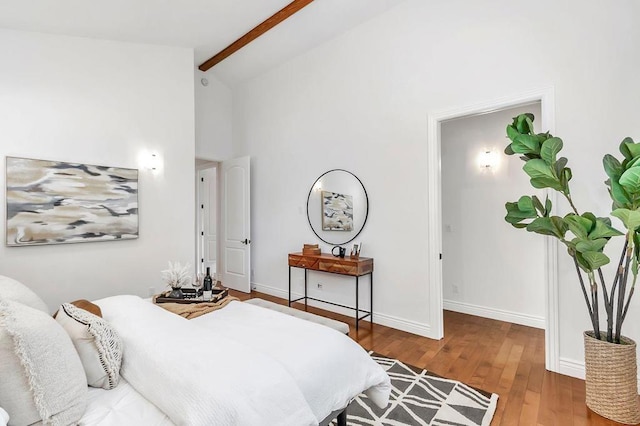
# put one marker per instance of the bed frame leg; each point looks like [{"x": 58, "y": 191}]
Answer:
[{"x": 342, "y": 418}]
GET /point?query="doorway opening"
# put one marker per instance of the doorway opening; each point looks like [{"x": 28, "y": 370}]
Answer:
[
  {"x": 546, "y": 121},
  {"x": 207, "y": 214},
  {"x": 482, "y": 271}
]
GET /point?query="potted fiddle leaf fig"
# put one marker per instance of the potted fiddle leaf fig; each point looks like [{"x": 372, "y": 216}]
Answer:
[{"x": 610, "y": 358}]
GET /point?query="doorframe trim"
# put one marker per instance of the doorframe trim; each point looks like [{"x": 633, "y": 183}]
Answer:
[{"x": 546, "y": 97}]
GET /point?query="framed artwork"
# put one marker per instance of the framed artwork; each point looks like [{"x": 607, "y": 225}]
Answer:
[
  {"x": 337, "y": 212},
  {"x": 53, "y": 202}
]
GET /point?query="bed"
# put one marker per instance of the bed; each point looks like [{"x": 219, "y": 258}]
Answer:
[{"x": 241, "y": 365}]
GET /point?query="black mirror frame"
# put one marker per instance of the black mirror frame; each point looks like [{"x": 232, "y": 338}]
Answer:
[{"x": 366, "y": 216}]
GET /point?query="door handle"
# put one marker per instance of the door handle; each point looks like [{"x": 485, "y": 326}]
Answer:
[{"x": 246, "y": 241}]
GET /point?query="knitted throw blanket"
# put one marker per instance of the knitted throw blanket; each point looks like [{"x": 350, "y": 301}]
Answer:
[{"x": 194, "y": 310}]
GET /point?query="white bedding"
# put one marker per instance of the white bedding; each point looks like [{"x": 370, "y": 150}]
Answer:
[
  {"x": 241, "y": 365},
  {"x": 121, "y": 406},
  {"x": 232, "y": 384},
  {"x": 329, "y": 368}
]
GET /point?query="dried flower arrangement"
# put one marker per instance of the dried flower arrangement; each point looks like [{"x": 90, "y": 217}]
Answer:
[{"x": 177, "y": 276}]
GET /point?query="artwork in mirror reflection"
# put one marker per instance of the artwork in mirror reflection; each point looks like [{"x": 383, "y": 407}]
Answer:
[
  {"x": 337, "y": 211},
  {"x": 50, "y": 202},
  {"x": 337, "y": 201}
]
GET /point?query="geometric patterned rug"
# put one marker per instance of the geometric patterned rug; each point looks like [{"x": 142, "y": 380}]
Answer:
[{"x": 422, "y": 398}]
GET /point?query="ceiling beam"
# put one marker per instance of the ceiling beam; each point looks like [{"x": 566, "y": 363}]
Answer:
[{"x": 266, "y": 25}]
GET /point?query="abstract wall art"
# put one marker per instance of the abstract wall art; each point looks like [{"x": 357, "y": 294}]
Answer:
[
  {"x": 337, "y": 211},
  {"x": 53, "y": 202}
]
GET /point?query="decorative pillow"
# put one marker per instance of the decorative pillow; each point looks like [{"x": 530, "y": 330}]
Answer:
[
  {"x": 87, "y": 306},
  {"x": 42, "y": 376},
  {"x": 97, "y": 343},
  {"x": 15, "y": 290}
]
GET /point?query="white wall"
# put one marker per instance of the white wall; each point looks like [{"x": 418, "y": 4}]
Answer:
[
  {"x": 213, "y": 118},
  {"x": 477, "y": 278},
  {"x": 361, "y": 101},
  {"x": 101, "y": 102}
]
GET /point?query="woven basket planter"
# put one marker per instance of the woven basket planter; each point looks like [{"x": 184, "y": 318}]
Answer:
[{"x": 611, "y": 379}]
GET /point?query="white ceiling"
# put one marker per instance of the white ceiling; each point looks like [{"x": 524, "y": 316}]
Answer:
[{"x": 208, "y": 26}]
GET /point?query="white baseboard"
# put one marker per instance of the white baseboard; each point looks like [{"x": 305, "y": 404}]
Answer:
[
  {"x": 493, "y": 313},
  {"x": 571, "y": 367},
  {"x": 403, "y": 324}
]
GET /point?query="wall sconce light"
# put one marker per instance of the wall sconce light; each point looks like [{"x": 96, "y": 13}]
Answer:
[
  {"x": 488, "y": 159},
  {"x": 154, "y": 162},
  {"x": 150, "y": 161}
]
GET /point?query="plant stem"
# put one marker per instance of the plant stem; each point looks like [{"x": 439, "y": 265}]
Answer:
[
  {"x": 626, "y": 307},
  {"x": 608, "y": 307},
  {"x": 568, "y": 197},
  {"x": 586, "y": 299},
  {"x": 622, "y": 290},
  {"x": 594, "y": 303},
  {"x": 619, "y": 272}
]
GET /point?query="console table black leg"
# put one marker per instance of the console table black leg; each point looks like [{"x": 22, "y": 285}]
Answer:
[
  {"x": 289, "y": 301},
  {"x": 371, "y": 301},
  {"x": 305, "y": 289},
  {"x": 357, "y": 314}
]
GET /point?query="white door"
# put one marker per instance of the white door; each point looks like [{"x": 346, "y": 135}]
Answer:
[
  {"x": 207, "y": 219},
  {"x": 236, "y": 232}
]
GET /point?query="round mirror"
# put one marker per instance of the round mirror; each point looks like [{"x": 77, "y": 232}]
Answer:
[{"x": 337, "y": 207}]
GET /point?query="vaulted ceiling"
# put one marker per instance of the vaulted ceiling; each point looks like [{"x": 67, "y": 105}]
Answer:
[{"x": 207, "y": 26}]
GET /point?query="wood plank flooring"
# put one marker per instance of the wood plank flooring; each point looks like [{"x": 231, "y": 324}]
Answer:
[{"x": 495, "y": 356}]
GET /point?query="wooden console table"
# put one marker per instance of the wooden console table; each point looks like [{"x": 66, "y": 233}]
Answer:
[{"x": 334, "y": 265}]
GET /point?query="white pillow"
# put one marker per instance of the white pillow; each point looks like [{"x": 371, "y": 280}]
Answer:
[
  {"x": 15, "y": 290},
  {"x": 4, "y": 417},
  {"x": 97, "y": 343},
  {"x": 42, "y": 376}
]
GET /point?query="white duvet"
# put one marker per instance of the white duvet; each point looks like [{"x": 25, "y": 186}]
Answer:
[{"x": 241, "y": 365}]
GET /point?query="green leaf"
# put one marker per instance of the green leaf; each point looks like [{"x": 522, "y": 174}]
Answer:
[
  {"x": 630, "y": 218},
  {"x": 591, "y": 218},
  {"x": 634, "y": 148},
  {"x": 559, "y": 165},
  {"x": 603, "y": 230},
  {"x": 566, "y": 175},
  {"x": 548, "y": 226},
  {"x": 508, "y": 150},
  {"x": 512, "y": 133},
  {"x": 547, "y": 207},
  {"x": 612, "y": 167},
  {"x": 630, "y": 180},
  {"x": 550, "y": 149},
  {"x": 618, "y": 194},
  {"x": 541, "y": 174},
  {"x": 580, "y": 226},
  {"x": 581, "y": 261},
  {"x": 524, "y": 123},
  {"x": 595, "y": 259},
  {"x": 538, "y": 205},
  {"x": 584, "y": 246},
  {"x": 624, "y": 149},
  {"x": 542, "y": 183},
  {"x": 516, "y": 214},
  {"x": 525, "y": 204},
  {"x": 634, "y": 162},
  {"x": 525, "y": 144}
]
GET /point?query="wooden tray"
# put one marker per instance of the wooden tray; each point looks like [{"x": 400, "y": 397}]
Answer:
[{"x": 218, "y": 294}]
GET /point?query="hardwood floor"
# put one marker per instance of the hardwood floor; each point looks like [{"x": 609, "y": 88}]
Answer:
[{"x": 495, "y": 356}]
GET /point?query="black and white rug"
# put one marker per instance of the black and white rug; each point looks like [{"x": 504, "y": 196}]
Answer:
[{"x": 422, "y": 398}]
